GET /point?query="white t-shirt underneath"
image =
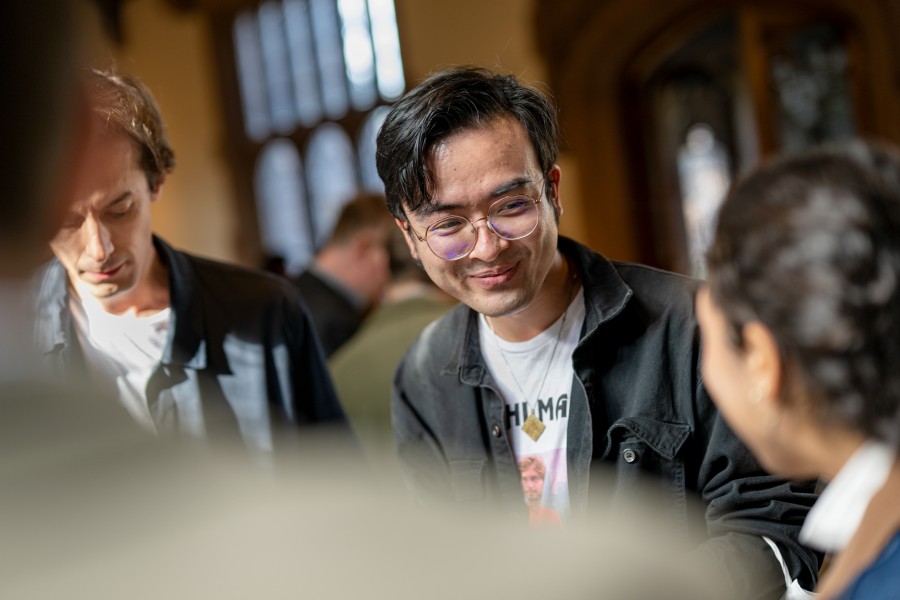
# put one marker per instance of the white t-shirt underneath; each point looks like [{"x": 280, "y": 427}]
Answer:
[
  {"x": 122, "y": 350},
  {"x": 530, "y": 364}
]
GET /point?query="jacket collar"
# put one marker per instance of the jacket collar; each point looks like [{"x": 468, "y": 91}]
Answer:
[
  {"x": 605, "y": 292},
  {"x": 605, "y": 295},
  {"x": 186, "y": 346}
]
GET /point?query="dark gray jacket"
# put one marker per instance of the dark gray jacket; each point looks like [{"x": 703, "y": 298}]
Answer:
[
  {"x": 638, "y": 407},
  {"x": 241, "y": 355}
]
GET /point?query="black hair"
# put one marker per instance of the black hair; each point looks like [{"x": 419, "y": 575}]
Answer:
[
  {"x": 810, "y": 246},
  {"x": 448, "y": 102}
]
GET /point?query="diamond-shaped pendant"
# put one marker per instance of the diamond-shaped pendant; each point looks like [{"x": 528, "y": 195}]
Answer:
[{"x": 533, "y": 427}]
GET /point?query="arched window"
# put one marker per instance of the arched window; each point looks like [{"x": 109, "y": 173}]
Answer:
[
  {"x": 313, "y": 79},
  {"x": 331, "y": 164},
  {"x": 371, "y": 182},
  {"x": 280, "y": 201}
]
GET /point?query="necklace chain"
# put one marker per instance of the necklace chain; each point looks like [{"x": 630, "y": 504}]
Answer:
[
  {"x": 533, "y": 425},
  {"x": 546, "y": 371}
]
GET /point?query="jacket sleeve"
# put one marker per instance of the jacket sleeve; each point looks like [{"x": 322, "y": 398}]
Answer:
[
  {"x": 421, "y": 458},
  {"x": 744, "y": 504}
]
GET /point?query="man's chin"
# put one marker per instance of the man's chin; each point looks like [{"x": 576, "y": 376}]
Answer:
[
  {"x": 501, "y": 305},
  {"x": 98, "y": 291}
]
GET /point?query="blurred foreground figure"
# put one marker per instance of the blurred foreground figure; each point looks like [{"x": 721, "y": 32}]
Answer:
[
  {"x": 555, "y": 351},
  {"x": 348, "y": 275},
  {"x": 188, "y": 345},
  {"x": 801, "y": 330},
  {"x": 193, "y": 529},
  {"x": 43, "y": 132}
]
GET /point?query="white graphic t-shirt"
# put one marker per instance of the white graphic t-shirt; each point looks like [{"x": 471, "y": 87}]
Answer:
[{"x": 526, "y": 367}]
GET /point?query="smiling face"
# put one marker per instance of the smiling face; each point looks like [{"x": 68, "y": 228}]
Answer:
[
  {"x": 105, "y": 242},
  {"x": 472, "y": 169}
]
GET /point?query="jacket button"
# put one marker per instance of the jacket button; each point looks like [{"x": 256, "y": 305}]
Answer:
[
  {"x": 629, "y": 455},
  {"x": 495, "y": 431}
]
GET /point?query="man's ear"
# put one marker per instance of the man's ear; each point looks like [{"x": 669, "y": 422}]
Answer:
[
  {"x": 764, "y": 363},
  {"x": 154, "y": 193},
  {"x": 408, "y": 236},
  {"x": 553, "y": 177}
]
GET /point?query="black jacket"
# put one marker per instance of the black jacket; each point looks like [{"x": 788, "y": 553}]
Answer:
[
  {"x": 638, "y": 407},
  {"x": 241, "y": 355}
]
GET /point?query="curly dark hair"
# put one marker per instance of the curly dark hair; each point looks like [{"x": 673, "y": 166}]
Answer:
[
  {"x": 810, "y": 246},
  {"x": 126, "y": 104},
  {"x": 448, "y": 102}
]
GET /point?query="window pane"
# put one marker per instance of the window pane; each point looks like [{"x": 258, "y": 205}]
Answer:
[
  {"x": 329, "y": 57},
  {"x": 812, "y": 79},
  {"x": 358, "y": 56},
  {"x": 388, "y": 64},
  {"x": 704, "y": 175},
  {"x": 371, "y": 182},
  {"x": 330, "y": 163},
  {"x": 276, "y": 69},
  {"x": 281, "y": 205},
  {"x": 303, "y": 64},
  {"x": 249, "y": 70}
]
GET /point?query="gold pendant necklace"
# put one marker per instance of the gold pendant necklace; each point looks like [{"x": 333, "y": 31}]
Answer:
[{"x": 533, "y": 427}]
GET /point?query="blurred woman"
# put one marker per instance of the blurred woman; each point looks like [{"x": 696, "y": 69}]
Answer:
[{"x": 801, "y": 338}]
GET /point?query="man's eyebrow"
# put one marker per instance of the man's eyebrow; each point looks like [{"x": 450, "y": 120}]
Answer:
[
  {"x": 429, "y": 208},
  {"x": 118, "y": 199},
  {"x": 510, "y": 186}
]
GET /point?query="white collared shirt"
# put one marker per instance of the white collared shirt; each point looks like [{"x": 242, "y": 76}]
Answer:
[{"x": 837, "y": 513}]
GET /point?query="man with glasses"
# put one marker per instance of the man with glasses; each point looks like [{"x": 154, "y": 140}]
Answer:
[{"x": 556, "y": 352}]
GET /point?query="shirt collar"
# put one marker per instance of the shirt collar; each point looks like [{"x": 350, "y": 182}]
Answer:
[
  {"x": 187, "y": 338},
  {"x": 837, "y": 513}
]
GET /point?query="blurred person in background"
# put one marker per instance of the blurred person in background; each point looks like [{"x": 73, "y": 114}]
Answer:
[
  {"x": 555, "y": 350},
  {"x": 801, "y": 331},
  {"x": 188, "y": 345},
  {"x": 363, "y": 369},
  {"x": 348, "y": 274}
]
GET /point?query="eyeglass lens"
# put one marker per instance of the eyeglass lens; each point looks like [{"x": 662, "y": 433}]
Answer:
[{"x": 511, "y": 218}]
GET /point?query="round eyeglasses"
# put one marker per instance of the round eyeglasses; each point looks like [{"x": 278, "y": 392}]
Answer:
[{"x": 453, "y": 238}]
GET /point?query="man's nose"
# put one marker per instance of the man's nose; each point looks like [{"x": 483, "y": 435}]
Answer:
[
  {"x": 98, "y": 245},
  {"x": 488, "y": 245}
]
